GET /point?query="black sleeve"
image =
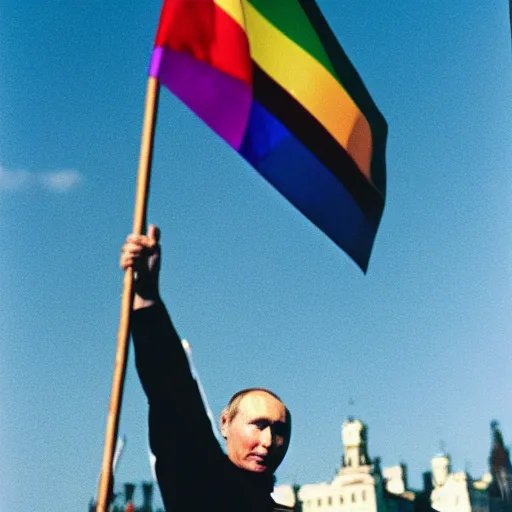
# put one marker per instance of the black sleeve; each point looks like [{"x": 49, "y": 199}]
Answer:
[
  {"x": 161, "y": 361},
  {"x": 180, "y": 432}
]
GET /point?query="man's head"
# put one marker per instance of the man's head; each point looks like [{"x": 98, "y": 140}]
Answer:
[{"x": 257, "y": 427}]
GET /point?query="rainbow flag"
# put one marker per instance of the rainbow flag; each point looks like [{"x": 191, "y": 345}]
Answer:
[{"x": 269, "y": 77}]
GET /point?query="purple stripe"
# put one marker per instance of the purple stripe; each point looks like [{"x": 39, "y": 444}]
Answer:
[
  {"x": 221, "y": 101},
  {"x": 156, "y": 61}
]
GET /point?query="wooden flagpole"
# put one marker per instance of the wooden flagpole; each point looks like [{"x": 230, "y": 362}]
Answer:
[{"x": 139, "y": 222}]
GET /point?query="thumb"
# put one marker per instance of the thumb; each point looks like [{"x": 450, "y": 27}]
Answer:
[{"x": 153, "y": 233}]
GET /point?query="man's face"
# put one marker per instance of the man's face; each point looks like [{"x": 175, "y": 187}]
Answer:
[{"x": 258, "y": 436}]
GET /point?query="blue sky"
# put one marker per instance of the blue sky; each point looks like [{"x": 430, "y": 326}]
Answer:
[{"x": 421, "y": 343}]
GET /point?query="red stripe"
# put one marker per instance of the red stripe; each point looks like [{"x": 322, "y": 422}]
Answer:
[{"x": 204, "y": 30}]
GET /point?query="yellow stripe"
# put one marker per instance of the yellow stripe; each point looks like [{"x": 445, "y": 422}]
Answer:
[
  {"x": 311, "y": 85},
  {"x": 234, "y": 9}
]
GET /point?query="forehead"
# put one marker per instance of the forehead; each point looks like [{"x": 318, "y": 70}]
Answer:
[{"x": 259, "y": 404}]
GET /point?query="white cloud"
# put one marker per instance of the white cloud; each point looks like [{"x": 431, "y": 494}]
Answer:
[
  {"x": 57, "y": 181},
  {"x": 60, "y": 181},
  {"x": 14, "y": 180}
]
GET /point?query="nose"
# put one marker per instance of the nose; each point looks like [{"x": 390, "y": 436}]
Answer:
[{"x": 266, "y": 436}]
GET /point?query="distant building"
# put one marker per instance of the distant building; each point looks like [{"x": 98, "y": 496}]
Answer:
[
  {"x": 128, "y": 499},
  {"x": 459, "y": 492},
  {"x": 361, "y": 486},
  {"x": 500, "y": 488},
  {"x": 456, "y": 492}
]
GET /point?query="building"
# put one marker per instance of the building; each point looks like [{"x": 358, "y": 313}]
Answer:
[
  {"x": 129, "y": 500},
  {"x": 459, "y": 492},
  {"x": 357, "y": 485},
  {"x": 456, "y": 492},
  {"x": 500, "y": 486},
  {"x": 361, "y": 486}
]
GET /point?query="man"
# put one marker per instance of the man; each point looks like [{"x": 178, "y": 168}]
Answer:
[{"x": 192, "y": 470}]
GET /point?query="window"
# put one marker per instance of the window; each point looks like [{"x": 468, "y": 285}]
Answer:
[
  {"x": 329, "y": 500},
  {"x": 353, "y": 497},
  {"x": 363, "y": 495},
  {"x": 319, "y": 502},
  {"x": 341, "y": 500}
]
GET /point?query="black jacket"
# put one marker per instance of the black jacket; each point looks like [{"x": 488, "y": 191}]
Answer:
[{"x": 192, "y": 470}]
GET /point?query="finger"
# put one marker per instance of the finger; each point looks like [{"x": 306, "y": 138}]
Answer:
[
  {"x": 131, "y": 259},
  {"x": 133, "y": 251},
  {"x": 126, "y": 262},
  {"x": 154, "y": 233},
  {"x": 139, "y": 240},
  {"x": 142, "y": 241},
  {"x": 133, "y": 238},
  {"x": 132, "y": 248}
]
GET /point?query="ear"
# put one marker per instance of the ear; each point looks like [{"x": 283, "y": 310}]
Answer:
[{"x": 224, "y": 424}]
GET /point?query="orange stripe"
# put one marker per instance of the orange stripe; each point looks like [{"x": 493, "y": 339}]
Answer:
[{"x": 304, "y": 78}]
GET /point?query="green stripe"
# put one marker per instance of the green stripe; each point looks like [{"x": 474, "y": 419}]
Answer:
[
  {"x": 289, "y": 18},
  {"x": 305, "y": 128},
  {"x": 302, "y": 22},
  {"x": 355, "y": 87}
]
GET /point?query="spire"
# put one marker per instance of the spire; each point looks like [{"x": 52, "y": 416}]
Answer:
[
  {"x": 501, "y": 468},
  {"x": 499, "y": 458}
]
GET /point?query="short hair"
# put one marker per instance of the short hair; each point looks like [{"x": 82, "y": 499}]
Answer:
[{"x": 231, "y": 410}]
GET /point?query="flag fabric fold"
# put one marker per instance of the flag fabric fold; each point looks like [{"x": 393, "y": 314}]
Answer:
[{"x": 270, "y": 78}]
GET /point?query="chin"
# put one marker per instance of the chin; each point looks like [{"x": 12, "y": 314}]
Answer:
[{"x": 257, "y": 468}]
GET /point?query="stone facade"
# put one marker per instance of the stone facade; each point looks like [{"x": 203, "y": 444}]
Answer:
[
  {"x": 459, "y": 492},
  {"x": 361, "y": 486}
]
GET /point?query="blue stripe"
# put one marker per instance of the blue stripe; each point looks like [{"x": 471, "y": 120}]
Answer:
[{"x": 300, "y": 177}]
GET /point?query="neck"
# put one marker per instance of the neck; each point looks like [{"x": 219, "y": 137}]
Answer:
[{"x": 264, "y": 482}]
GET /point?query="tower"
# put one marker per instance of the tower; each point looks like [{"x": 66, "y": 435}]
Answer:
[
  {"x": 354, "y": 439},
  {"x": 500, "y": 466},
  {"x": 441, "y": 468}
]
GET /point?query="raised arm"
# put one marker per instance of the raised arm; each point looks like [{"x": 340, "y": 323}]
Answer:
[{"x": 181, "y": 435}]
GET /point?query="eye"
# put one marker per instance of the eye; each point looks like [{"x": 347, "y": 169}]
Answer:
[
  {"x": 279, "y": 429},
  {"x": 261, "y": 424}
]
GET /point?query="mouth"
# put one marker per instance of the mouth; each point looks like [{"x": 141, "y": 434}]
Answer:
[{"x": 258, "y": 458}]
